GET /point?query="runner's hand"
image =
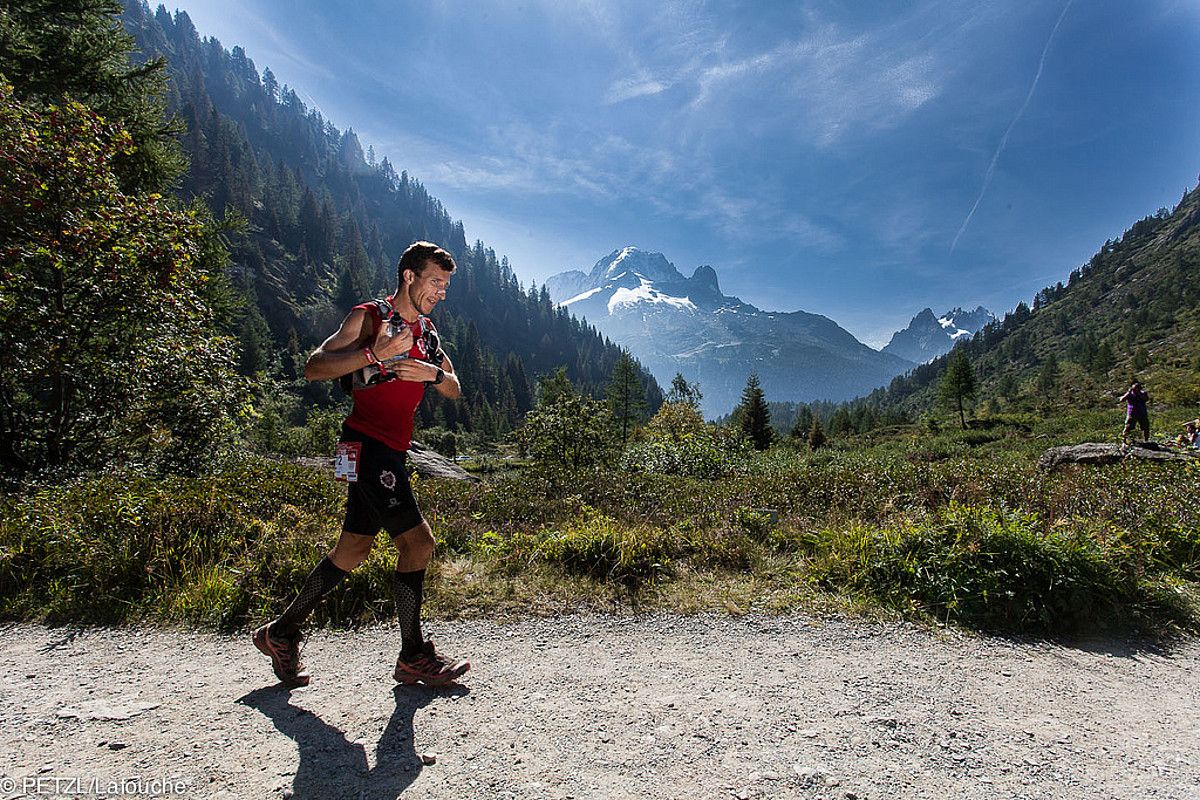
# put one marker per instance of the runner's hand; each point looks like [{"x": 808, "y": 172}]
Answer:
[
  {"x": 413, "y": 369},
  {"x": 387, "y": 346}
]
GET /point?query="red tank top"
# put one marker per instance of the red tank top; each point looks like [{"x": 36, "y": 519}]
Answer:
[{"x": 385, "y": 411}]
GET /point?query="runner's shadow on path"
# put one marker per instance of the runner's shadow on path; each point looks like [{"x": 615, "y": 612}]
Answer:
[{"x": 331, "y": 766}]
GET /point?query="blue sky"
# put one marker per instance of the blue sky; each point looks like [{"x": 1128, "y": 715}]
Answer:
[{"x": 860, "y": 160}]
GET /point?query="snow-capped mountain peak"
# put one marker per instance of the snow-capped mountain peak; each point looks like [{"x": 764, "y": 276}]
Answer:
[
  {"x": 928, "y": 337},
  {"x": 951, "y": 328},
  {"x": 630, "y": 261},
  {"x": 674, "y": 323}
]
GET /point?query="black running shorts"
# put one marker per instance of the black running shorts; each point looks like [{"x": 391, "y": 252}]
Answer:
[{"x": 382, "y": 496}]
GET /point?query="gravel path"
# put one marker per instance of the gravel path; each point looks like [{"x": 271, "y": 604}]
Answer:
[{"x": 592, "y": 707}]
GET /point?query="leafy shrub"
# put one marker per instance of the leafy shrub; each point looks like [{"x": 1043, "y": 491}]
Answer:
[
  {"x": 993, "y": 569},
  {"x": 755, "y": 521},
  {"x": 677, "y": 441},
  {"x": 569, "y": 431},
  {"x": 108, "y": 345},
  {"x": 123, "y": 546},
  {"x": 595, "y": 545}
]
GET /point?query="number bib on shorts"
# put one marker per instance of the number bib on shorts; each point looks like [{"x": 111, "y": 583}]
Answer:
[{"x": 346, "y": 461}]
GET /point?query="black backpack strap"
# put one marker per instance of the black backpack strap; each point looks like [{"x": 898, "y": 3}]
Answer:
[{"x": 433, "y": 342}]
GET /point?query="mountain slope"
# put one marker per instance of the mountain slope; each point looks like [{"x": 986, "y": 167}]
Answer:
[
  {"x": 325, "y": 226},
  {"x": 1132, "y": 311},
  {"x": 683, "y": 324}
]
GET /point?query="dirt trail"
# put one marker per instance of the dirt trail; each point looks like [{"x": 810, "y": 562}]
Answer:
[{"x": 591, "y": 707}]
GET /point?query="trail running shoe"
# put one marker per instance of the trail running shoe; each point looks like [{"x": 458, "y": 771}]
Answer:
[
  {"x": 429, "y": 668},
  {"x": 284, "y": 654}
]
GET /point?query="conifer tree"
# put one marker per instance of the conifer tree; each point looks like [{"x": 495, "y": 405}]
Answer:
[
  {"x": 958, "y": 384},
  {"x": 816, "y": 434},
  {"x": 58, "y": 50},
  {"x": 803, "y": 424},
  {"x": 626, "y": 395},
  {"x": 753, "y": 415},
  {"x": 683, "y": 392},
  {"x": 1047, "y": 380}
]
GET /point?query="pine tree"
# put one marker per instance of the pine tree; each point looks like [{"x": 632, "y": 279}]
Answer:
[
  {"x": 1047, "y": 380},
  {"x": 55, "y": 50},
  {"x": 755, "y": 418},
  {"x": 958, "y": 384},
  {"x": 803, "y": 424},
  {"x": 816, "y": 434},
  {"x": 626, "y": 395},
  {"x": 684, "y": 392}
]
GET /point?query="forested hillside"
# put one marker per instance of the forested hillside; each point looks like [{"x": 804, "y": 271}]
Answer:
[
  {"x": 319, "y": 226},
  {"x": 1133, "y": 311}
]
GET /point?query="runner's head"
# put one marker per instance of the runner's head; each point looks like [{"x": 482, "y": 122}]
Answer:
[{"x": 423, "y": 275}]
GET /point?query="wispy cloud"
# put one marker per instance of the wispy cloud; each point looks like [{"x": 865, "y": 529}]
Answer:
[
  {"x": 830, "y": 81},
  {"x": 629, "y": 88},
  {"x": 274, "y": 49},
  {"x": 987, "y": 177}
]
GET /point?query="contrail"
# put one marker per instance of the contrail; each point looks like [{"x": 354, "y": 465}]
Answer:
[{"x": 987, "y": 178}]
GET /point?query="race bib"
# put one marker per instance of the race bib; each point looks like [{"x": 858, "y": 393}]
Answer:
[{"x": 345, "y": 461}]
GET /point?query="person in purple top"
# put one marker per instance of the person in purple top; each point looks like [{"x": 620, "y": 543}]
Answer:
[{"x": 1136, "y": 412}]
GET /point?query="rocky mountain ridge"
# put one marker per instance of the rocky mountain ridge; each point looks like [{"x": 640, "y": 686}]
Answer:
[
  {"x": 676, "y": 324},
  {"x": 928, "y": 336}
]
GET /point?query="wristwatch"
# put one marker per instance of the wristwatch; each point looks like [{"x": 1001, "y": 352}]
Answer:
[{"x": 441, "y": 376}]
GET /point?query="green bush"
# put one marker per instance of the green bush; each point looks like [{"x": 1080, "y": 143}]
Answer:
[
  {"x": 596, "y": 545},
  {"x": 993, "y": 569},
  {"x": 123, "y": 546}
]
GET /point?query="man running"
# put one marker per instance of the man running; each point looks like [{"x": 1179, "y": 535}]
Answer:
[
  {"x": 1136, "y": 412},
  {"x": 389, "y": 352}
]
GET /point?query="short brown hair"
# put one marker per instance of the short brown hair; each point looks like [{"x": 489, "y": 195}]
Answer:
[{"x": 419, "y": 254}]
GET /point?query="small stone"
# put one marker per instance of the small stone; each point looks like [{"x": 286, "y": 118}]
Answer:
[
  {"x": 428, "y": 759},
  {"x": 810, "y": 733},
  {"x": 288, "y": 793}
]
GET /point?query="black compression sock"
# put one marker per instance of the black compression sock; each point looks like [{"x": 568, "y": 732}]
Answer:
[
  {"x": 408, "y": 589},
  {"x": 318, "y": 584}
]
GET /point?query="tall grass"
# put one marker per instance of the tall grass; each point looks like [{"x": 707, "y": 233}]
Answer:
[{"x": 971, "y": 534}]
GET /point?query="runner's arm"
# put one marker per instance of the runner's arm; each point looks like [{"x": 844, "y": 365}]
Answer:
[
  {"x": 343, "y": 352},
  {"x": 416, "y": 370}
]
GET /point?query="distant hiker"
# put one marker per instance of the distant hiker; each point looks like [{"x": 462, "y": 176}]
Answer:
[
  {"x": 1136, "y": 412},
  {"x": 390, "y": 353}
]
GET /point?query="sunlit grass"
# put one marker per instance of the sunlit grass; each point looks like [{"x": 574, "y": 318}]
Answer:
[{"x": 956, "y": 527}]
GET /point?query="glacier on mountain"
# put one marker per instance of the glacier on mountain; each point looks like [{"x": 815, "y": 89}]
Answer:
[{"x": 677, "y": 324}]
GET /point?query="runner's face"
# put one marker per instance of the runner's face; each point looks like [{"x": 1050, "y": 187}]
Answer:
[{"x": 429, "y": 288}]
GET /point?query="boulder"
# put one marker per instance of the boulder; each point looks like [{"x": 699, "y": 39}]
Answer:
[
  {"x": 430, "y": 464},
  {"x": 1105, "y": 453}
]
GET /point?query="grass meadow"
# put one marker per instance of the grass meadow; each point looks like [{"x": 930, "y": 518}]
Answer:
[{"x": 950, "y": 526}]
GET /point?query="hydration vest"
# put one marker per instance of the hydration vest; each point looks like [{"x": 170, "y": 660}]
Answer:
[{"x": 428, "y": 343}]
